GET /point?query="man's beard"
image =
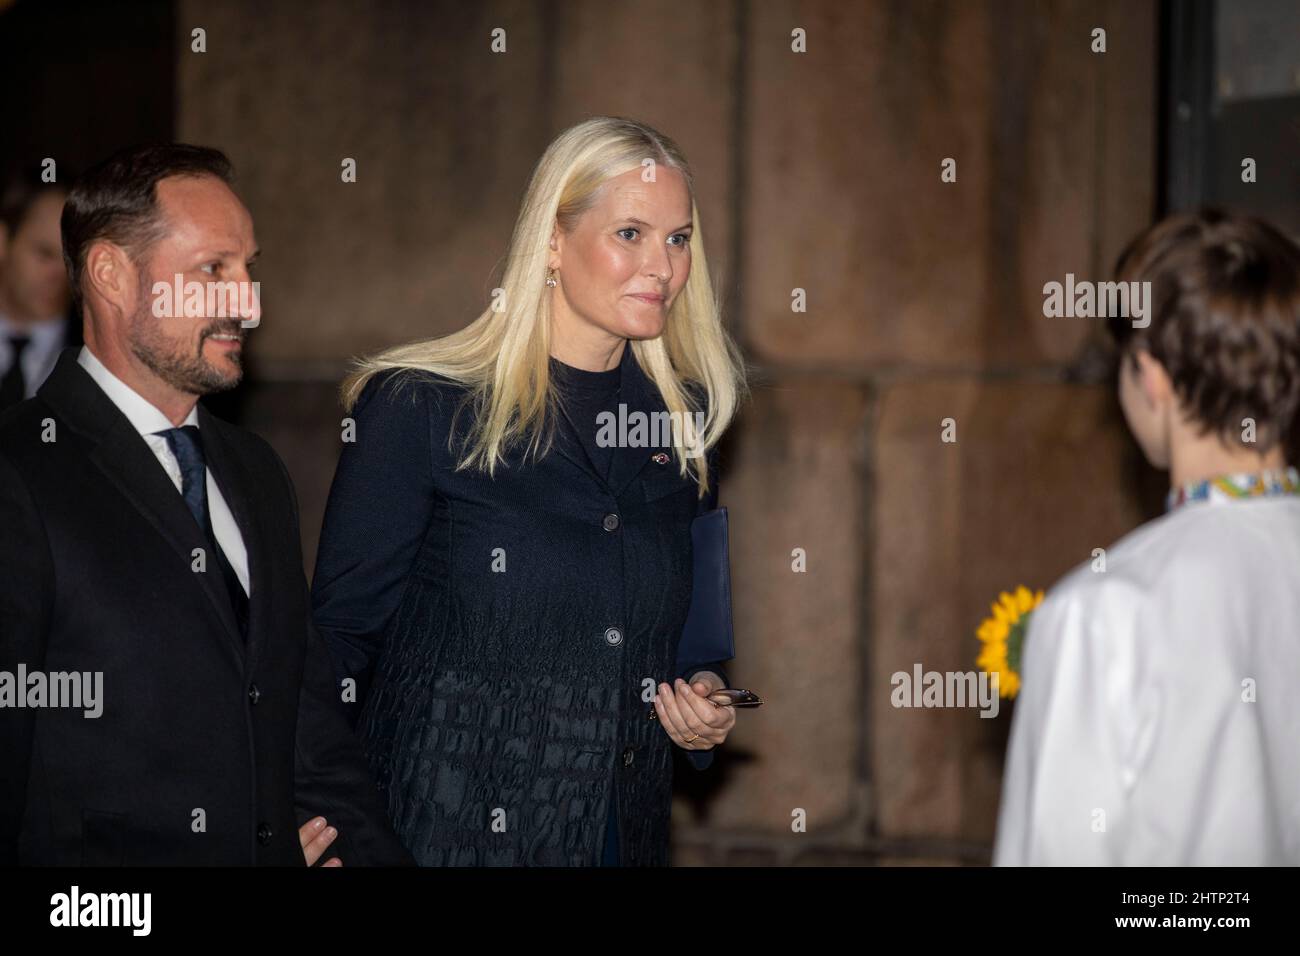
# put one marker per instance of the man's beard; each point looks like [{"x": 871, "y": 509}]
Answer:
[{"x": 170, "y": 361}]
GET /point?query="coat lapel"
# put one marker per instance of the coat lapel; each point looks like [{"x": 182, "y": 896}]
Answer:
[
  {"x": 638, "y": 393},
  {"x": 238, "y": 487},
  {"x": 125, "y": 458}
]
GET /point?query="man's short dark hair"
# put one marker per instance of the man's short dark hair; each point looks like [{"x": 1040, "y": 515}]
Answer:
[
  {"x": 117, "y": 199},
  {"x": 21, "y": 189},
  {"x": 1224, "y": 318}
]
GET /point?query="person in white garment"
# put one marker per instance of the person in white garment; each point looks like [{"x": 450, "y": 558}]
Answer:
[{"x": 1158, "y": 721}]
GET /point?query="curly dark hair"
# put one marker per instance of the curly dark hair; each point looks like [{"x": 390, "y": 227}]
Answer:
[{"x": 1224, "y": 319}]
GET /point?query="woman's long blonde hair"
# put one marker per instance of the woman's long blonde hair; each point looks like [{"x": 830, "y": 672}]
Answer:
[{"x": 502, "y": 357}]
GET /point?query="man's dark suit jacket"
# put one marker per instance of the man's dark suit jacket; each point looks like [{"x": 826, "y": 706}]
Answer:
[{"x": 207, "y": 751}]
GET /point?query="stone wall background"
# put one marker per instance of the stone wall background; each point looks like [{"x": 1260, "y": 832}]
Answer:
[{"x": 818, "y": 171}]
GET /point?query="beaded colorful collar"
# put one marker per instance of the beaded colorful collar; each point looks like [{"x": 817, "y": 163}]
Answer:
[{"x": 1255, "y": 484}]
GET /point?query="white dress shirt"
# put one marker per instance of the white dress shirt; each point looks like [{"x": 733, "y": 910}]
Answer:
[
  {"x": 41, "y": 352},
  {"x": 147, "y": 420},
  {"x": 1158, "y": 721}
]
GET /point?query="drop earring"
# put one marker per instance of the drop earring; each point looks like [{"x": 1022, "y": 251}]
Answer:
[{"x": 550, "y": 278}]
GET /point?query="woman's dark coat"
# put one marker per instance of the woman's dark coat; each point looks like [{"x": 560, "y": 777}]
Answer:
[{"x": 515, "y": 628}]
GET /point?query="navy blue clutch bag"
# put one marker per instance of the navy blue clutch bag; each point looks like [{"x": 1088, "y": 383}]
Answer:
[{"x": 707, "y": 637}]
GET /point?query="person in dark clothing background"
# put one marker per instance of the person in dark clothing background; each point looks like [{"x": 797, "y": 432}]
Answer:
[
  {"x": 35, "y": 323},
  {"x": 504, "y": 568}
]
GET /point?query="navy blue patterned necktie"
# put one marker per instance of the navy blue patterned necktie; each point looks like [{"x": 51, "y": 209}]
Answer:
[{"x": 186, "y": 444}]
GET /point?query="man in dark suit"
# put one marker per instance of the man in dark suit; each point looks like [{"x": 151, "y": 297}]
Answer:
[
  {"x": 34, "y": 321},
  {"x": 164, "y": 698}
]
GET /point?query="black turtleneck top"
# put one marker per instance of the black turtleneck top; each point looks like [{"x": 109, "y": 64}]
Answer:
[{"x": 583, "y": 396}]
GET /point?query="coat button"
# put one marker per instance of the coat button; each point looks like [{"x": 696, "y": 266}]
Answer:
[
  {"x": 629, "y": 756},
  {"x": 254, "y": 695},
  {"x": 263, "y": 834},
  {"x": 613, "y": 637},
  {"x": 660, "y": 459},
  {"x": 610, "y": 522}
]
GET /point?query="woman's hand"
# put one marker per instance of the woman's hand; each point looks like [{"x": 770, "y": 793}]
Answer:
[
  {"x": 315, "y": 838},
  {"x": 693, "y": 722}
]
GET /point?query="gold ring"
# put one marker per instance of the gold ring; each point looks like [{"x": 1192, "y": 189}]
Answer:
[{"x": 689, "y": 739}]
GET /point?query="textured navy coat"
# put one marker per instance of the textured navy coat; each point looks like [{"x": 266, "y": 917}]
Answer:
[{"x": 507, "y": 633}]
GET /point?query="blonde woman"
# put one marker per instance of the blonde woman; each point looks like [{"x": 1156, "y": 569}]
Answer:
[{"x": 505, "y": 564}]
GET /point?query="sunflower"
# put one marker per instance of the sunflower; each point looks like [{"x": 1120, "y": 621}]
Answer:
[{"x": 1003, "y": 637}]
